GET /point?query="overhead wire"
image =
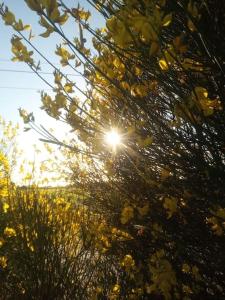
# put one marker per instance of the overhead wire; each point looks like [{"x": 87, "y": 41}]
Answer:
[
  {"x": 24, "y": 88},
  {"x": 31, "y": 72},
  {"x": 7, "y": 60},
  {"x": 28, "y": 72}
]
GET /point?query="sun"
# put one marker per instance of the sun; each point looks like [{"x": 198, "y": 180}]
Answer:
[{"x": 113, "y": 138}]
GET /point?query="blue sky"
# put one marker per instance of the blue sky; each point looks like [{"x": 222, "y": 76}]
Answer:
[
  {"x": 23, "y": 89},
  {"x": 22, "y": 93}
]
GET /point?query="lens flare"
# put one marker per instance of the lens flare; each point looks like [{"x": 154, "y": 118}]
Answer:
[{"x": 113, "y": 138}]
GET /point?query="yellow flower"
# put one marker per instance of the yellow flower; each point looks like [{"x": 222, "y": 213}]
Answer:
[
  {"x": 5, "y": 207},
  {"x": 204, "y": 102},
  {"x": 9, "y": 232},
  {"x": 30, "y": 246},
  {"x": 1, "y": 242},
  {"x": 163, "y": 65},
  {"x": 116, "y": 288},
  {"x": 3, "y": 262},
  {"x": 128, "y": 262}
]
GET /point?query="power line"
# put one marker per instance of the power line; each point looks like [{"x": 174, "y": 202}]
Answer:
[
  {"x": 23, "y": 88},
  {"x": 9, "y": 60},
  {"x": 31, "y": 72}
]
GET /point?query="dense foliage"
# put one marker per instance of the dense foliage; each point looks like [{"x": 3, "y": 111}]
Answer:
[{"x": 155, "y": 73}]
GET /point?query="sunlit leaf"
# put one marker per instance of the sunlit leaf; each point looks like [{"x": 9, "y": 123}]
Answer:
[{"x": 167, "y": 20}]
